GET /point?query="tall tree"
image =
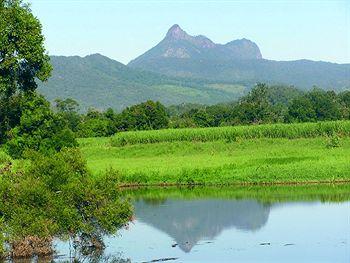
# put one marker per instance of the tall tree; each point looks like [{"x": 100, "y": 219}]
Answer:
[{"x": 23, "y": 58}]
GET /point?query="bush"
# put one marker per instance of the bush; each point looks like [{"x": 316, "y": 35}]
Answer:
[
  {"x": 39, "y": 129},
  {"x": 57, "y": 197}
]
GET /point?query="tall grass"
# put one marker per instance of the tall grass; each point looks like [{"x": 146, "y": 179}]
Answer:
[{"x": 232, "y": 133}]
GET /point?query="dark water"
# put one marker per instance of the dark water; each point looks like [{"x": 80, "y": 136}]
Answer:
[{"x": 211, "y": 229}]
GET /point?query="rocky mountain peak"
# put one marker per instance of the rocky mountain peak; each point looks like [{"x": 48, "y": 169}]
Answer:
[{"x": 176, "y": 32}]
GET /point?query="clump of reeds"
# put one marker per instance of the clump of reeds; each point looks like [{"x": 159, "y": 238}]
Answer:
[{"x": 233, "y": 133}]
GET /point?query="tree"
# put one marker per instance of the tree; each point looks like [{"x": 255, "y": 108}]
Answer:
[
  {"x": 39, "y": 129},
  {"x": 326, "y": 104},
  {"x": 344, "y": 98},
  {"x": 67, "y": 105},
  {"x": 200, "y": 117},
  {"x": 301, "y": 109},
  {"x": 255, "y": 107},
  {"x": 96, "y": 124},
  {"x": 148, "y": 115},
  {"x": 23, "y": 58},
  {"x": 68, "y": 110}
]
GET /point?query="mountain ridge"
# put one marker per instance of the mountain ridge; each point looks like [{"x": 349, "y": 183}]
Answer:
[
  {"x": 178, "y": 55},
  {"x": 184, "y": 69},
  {"x": 178, "y": 44}
]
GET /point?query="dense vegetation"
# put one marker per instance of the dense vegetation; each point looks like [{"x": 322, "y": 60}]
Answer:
[
  {"x": 263, "y": 105},
  {"x": 235, "y": 133},
  {"x": 56, "y": 197}
]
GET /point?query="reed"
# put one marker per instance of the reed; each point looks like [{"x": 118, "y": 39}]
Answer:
[{"x": 234, "y": 133}]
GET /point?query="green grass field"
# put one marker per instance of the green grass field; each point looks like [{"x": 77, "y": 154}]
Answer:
[
  {"x": 262, "y": 160},
  {"x": 294, "y": 153}
]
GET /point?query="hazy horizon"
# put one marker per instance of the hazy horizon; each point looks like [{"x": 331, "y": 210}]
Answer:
[{"x": 123, "y": 30}]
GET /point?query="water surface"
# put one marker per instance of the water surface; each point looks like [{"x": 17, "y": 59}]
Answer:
[{"x": 227, "y": 228}]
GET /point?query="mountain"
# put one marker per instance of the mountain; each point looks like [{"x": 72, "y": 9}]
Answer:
[
  {"x": 99, "y": 82},
  {"x": 183, "y": 69},
  {"x": 190, "y": 221},
  {"x": 178, "y": 44},
  {"x": 182, "y": 55}
]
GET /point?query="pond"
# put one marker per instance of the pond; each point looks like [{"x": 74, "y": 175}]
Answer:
[{"x": 233, "y": 225}]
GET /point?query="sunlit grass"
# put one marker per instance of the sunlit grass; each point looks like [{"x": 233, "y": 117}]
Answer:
[
  {"x": 234, "y": 133},
  {"x": 221, "y": 162}
]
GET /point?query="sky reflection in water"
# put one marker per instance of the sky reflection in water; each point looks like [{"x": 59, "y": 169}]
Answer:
[{"x": 223, "y": 230}]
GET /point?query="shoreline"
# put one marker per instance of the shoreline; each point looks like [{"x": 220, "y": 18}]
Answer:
[{"x": 287, "y": 183}]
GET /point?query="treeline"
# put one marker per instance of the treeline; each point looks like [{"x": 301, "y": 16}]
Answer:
[
  {"x": 144, "y": 116},
  {"x": 275, "y": 104},
  {"x": 263, "y": 104}
]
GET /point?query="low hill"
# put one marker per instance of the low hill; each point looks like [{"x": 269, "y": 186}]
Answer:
[{"x": 100, "y": 82}]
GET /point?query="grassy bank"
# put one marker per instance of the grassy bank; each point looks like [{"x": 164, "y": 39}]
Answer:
[
  {"x": 271, "y": 194},
  {"x": 234, "y": 133},
  {"x": 262, "y": 160}
]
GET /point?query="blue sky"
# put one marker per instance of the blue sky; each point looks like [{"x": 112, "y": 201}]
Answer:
[{"x": 122, "y": 30}]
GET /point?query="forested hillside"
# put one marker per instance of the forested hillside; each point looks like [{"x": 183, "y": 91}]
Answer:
[{"x": 99, "y": 82}]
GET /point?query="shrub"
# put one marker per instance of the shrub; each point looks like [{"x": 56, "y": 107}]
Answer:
[
  {"x": 57, "y": 197},
  {"x": 39, "y": 129}
]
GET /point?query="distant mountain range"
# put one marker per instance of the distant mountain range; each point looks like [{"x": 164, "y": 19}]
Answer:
[
  {"x": 99, "y": 82},
  {"x": 182, "y": 55},
  {"x": 184, "y": 68}
]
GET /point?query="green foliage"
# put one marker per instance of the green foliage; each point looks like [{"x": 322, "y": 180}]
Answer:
[
  {"x": 23, "y": 56},
  {"x": 290, "y": 131},
  {"x": 4, "y": 158},
  {"x": 97, "y": 124},
  {"x": 317, "y": 105},
  {"x": 67, "y": 105},
  {"x": 23, "y": 59},
  {"x": 95, "y": 127},
  {"x": 302, "y": 110},
  {"x": 263, "y": 104},
  {"x": 10, "y": 112},
  {"x": 39, "y": 129},
  {"x": 180, "y": 109},
  {"x": 68, "y": 110},
  {"x": 56, "y": 197},
  {"x": 333, "y": 141},
  {"x": 148, "y": 115}
]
